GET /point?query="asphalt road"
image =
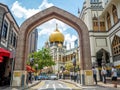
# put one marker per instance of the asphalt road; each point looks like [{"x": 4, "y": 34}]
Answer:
[{"x": 54, "y": 85}]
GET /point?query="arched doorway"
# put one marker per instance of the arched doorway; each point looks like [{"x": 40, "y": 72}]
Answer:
[
  {"x": 40, "y": 18},
  {"x": 102, "y": 59}
]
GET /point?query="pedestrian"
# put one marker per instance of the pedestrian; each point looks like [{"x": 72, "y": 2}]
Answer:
[
  {"x": 70, "y": 75},
  {"x": 104, "y": 73},
  {"x": 114, "y": 76},
  {"x": 94, "y": 74}
]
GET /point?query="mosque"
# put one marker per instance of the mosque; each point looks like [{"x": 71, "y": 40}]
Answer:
[{"x": 59, "y": 51}]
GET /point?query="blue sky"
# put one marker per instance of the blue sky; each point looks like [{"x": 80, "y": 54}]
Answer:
[{"x": 23, "y": 9}]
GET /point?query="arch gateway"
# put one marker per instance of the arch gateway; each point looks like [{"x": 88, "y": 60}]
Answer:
[{"x": 19, "y": 75}]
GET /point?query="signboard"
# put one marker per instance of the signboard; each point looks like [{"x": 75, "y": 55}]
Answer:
[
  {"x": 17, "y": 74},
  {"x": 88, "y": 72}
]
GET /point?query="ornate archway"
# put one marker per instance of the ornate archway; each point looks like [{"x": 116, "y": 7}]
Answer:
[{"x": 42, "y": 17}]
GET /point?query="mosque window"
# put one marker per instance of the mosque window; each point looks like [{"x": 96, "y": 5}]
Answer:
[
  {"x": 114, "y": 12},
  {"x": 94, "y": 1},
  {"x": 108, "y": 21},
  {"x": 95, "y": 25},
  {"x": 116, "y": 45},
  {"x": 102, "y": 26}
]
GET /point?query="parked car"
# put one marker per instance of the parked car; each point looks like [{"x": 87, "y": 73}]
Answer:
[
  {"x": 53, "y": 77},
  {"x": 43, "y": 77}
]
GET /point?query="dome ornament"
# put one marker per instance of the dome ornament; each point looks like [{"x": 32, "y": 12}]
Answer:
[
  {"x": 56, "y": 36},
  {"x": 56, "y": 27}
]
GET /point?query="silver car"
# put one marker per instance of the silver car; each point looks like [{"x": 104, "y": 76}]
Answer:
[{"x": 53, "y": 77}]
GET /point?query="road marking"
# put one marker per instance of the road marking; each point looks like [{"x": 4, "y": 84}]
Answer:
[
  {"x": 54, "y": 86},
  {"x": 47, "y": 85},
  {"x": 38, "y": 85},
  {"x": 60, "y": 85}
]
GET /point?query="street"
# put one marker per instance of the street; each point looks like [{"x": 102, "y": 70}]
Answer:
[
  {"x": 61, "y": 85},
  {"x": 54, "y": 85}
]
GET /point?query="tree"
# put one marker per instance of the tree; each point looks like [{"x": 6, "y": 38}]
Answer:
[
  {"x": 42, "y": 58},
  {"x": 69, "y": 66}
]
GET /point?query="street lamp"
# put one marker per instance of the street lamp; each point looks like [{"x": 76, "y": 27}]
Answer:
[
  {"x": 31, "y": 64},
  {"x": 74, "y": 63}
]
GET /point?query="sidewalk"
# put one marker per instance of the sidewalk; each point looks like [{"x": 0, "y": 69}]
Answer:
[{"x": 108, "y": 85}]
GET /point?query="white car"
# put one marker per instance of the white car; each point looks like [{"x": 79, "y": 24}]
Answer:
[{"x": 53, "y": 77}]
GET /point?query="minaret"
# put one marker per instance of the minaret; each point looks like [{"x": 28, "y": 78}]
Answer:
[{"x": 91, "y": 9}]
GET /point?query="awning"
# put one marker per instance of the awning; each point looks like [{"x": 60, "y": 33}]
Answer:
[
  {"x": 4, "y": 52},
  {"x": 29, "y": 68},
  {"x": 1, "y": 59}
]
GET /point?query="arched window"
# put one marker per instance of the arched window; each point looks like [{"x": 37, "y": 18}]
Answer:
[
  {"x": 116, "y": 47},
  {"x": 114, "y": 12},
  {"x": 108, "y": 21}
]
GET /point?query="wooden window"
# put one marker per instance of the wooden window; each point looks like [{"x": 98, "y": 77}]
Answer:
[
  {"x": 114, "y": 12},
  {"x": 102, "y": 26},
  {"x": 95, "y": 25},
  {"x": 116, "y": 45},
  {"x": 108, "y": 21}
]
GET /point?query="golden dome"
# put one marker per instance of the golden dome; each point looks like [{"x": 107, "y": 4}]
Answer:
[{"x": 56, "y": 36}]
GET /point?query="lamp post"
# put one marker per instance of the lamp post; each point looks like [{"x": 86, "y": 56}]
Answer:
[
  {"x": 31, "y": 64},
  {"x": 74, "y": 63}
]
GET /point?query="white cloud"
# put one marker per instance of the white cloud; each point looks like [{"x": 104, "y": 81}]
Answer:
[
  {"x": 70, "y": 40},
  {"x": 21, "y": 12},
  {"x": 45, "y": 5},
  {"x": 48, "y": 27}
]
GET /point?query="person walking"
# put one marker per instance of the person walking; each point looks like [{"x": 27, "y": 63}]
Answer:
[
  {"x": 114, "y": 76},
  {"x": 104, "y": 73},
  {"x": 94, "y": 74}
]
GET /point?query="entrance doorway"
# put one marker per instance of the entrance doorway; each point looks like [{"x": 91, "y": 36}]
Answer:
[{"x": 102, "y": 59}]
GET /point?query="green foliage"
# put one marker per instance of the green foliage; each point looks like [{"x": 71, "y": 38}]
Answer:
[
  {"x": 69, "y": 66},
  {"x": 42, "y": 58}
]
